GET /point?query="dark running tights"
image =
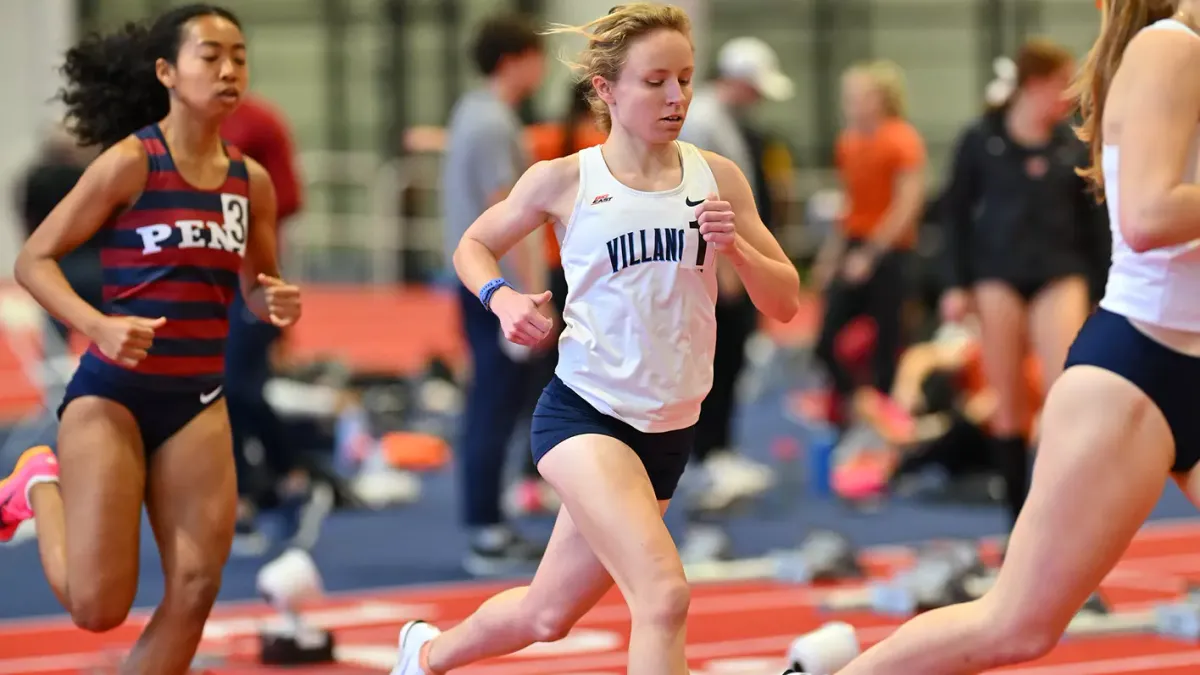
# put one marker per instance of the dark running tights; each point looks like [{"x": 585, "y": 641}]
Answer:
[
  {"x": 880, "y": 297},
  {"x": 247, "y": 370},
  {"x": 736, "y": 320},
  {"x": 1013, "y": 461},
  {"x": 491, "y": 415}
]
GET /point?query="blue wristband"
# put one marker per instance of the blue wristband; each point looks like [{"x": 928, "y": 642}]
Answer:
[{"x": 489, "y": 289}]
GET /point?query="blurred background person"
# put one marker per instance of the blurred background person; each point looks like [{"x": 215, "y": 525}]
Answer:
[
  {"x": 45, "y": 182},
  {"x": 1025, "y": 245},
  {"x": 747, "y": 72},
  {"x": 574, "y": 131},
  {"x": 485, "y": 154},
  {"x": 260, "y": 130},
  {"x": 862, "y": 267},
  {"x": 775, "y": 170}
]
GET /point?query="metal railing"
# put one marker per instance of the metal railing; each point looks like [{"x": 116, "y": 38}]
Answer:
[
  {"x": 377, "y": 232},
  {"x": 399, "y": 218}
]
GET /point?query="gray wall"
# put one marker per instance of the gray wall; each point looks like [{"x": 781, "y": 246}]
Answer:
[
  {"x": 350, "y": 74},
  {"x": 944, "y": 46}
]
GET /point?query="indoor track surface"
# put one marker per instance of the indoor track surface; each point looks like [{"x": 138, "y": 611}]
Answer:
[{"x": 735, "y": 628}]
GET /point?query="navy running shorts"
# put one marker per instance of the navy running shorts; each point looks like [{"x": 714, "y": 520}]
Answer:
[
  {"x": 1165, "y": 376},
  {"x": 159, "y": 413},
  {"x": 562, "y": 414}
]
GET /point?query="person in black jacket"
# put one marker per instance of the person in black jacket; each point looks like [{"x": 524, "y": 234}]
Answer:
[
  {"x": 1024, "y": 241},
  {"x": 39, "y": 189}
]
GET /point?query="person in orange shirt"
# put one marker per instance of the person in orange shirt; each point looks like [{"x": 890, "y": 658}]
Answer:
[{"x": 861, "y": 268}]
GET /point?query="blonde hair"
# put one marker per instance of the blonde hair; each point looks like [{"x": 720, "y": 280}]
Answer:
[
  {"x": 888, "y": 78},
  {"x": 609, "y": 39},
  {"x": 1120, "y": 21}
]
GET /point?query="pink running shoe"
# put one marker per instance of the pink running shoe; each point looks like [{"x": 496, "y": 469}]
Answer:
[{"x": 36, "y": 465}]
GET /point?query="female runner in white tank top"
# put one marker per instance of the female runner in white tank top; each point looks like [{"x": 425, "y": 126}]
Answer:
[
  {"x": 1123, "y": 416},
  {"x": 643, "y": 220}
]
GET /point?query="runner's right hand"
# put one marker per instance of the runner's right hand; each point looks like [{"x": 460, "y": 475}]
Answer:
[
  {"x": 126, "y": 340},
  {"x": 520, "y": 316}
]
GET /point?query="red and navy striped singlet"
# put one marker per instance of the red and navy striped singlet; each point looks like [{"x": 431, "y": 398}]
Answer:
[{"x": 176, "y": 253}]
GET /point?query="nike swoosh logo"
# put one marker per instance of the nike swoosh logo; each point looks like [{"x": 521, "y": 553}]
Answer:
[
  {"x": 211, "y": 396},
  {"x": 692, "y": 203}
]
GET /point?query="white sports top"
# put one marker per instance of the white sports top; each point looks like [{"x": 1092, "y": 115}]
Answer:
[
  {"x": 1158, "y": 287},
  {"x": 639, "y": 319}
]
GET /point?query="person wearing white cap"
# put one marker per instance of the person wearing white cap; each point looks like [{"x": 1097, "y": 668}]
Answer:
[
  {"x": 754, "y": 61},
  {"x": 747, "y": 72}
]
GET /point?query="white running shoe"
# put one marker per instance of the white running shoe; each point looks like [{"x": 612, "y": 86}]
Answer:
[
  {"x": 825, "y": 650},
  {"x": 413, "y": 636},
  {"x": 731, "y": 478}
]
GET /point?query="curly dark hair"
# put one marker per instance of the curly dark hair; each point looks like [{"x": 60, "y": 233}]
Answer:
[{"x": 112, "y": 89}]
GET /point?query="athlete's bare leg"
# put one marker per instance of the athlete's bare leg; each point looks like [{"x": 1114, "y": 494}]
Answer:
[
  {"x": 569, "y": 582},
  {"x": 1105, "y": 454}
]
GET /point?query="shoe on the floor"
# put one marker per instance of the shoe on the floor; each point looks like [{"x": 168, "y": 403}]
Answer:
[
  {"x": 825, "y": 650},
  {"x": 732, "y": 478},
  {"x": 499, "y": 551},
  {"x": 704, "y": 542},
  {"x": 413, "y": 637},
  {"x": 36, "y": 465}
]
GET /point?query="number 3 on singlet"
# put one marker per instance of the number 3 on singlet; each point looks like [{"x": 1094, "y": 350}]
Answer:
[{"x": 237, "y": 215}]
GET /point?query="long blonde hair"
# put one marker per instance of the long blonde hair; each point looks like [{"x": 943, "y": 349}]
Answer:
[
  {"x": 609, "y": 39},
  {"x": 1120, "y": 21}
]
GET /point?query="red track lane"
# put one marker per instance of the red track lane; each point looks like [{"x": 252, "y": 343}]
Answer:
[{"x": 735, "y": 628}]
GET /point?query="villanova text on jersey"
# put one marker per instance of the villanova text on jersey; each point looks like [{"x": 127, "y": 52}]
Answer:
[
  {"x": 659, "y": 244},
  {"x": 176, "y": 253},
  {"x": 642, "y": 246}
]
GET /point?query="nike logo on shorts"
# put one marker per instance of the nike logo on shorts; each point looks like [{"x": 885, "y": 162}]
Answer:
[{"x": 211, "y": 396}]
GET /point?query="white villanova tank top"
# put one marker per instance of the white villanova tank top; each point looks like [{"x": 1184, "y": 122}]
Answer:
[
  {"x": 1159, "y": 287},
  {"x": 639, "y": 319}
]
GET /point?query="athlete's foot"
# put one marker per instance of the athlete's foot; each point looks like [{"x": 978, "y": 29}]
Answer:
[
  {"x": 36, "y": 465},
  {"x": 415, "y": 638}
]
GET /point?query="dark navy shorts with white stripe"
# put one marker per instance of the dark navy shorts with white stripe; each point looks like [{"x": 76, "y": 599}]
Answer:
[{"x": 159, "y": 414}]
